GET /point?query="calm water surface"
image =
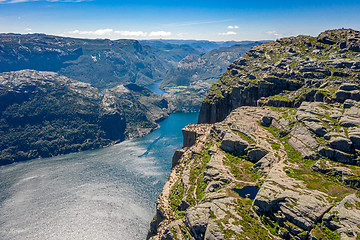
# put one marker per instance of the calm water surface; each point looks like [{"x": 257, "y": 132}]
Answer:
[
  {"x": 155, "y": 88},
  {"x": 100, "y": 194}
]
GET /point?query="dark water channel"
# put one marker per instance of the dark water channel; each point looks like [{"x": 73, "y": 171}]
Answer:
[
  {"x": 155, "y": 88},
  {"x": 100, "y": 194},
  {"x": 247, "y": 192}
]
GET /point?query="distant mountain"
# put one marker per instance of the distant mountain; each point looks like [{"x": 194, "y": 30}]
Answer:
[
  {"x": 103, "y": 63},
  {"x": 201, "y": 46},
  {"x": 43, "y": 114},
  {"x": 205, "y": 67},
  {"x": 173, "y": 53}
]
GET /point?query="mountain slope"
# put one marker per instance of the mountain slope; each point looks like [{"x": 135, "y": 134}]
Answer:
[
  {"x": 44, "y": 114},
  {"x": 205, "y": 67},
  {"x": 277, "y": 155},
  {"x": 101, "y": 62}
]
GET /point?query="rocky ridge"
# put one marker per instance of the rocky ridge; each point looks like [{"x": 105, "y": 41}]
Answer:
[
  {"x": 287, "y": 72},
  {"x": 101, "y": 62},
  {"x": 44, "y": 114},
  {"x": 295, "y": 146}
]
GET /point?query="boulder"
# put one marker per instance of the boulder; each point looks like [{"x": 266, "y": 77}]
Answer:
[
  {"x": 349, "y": 122},
  {"x": 299, "y": 146},
  {"x": 300, "y": 207},
  {"x": 304, "y": 116},
  {"x": 353, "y": 111},
  {"x": 302, "y": 134},
  {"x": 266, "y": 121},
  {"x": 233, "y": 143},
  {"x": 342, "y": 144},
  {"x": 355, "y": 139},
  {"x": 330, "y": 135},
  {"x": 349, "y": 103},
  {"x": 316, "y": 128},
  {"x": 336, "y": 155},
  {"x": 265, "y": 163},
  {"x": 255, "y": 153},
  {"x": 344, "y": 217},
  {"x": 341, "y": 95},
  {"x": 349, "y": 87}
]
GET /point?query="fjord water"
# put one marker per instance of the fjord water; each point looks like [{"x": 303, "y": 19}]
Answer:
[
  {"x": 155, "y": 88},
  {"x": 107, "y": 193}
]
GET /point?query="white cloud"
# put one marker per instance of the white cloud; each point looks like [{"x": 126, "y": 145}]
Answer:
[
  {"x": 228, "y": 33},
  {"x": 274, "y": 34},
  {"x": 233, "y": 27},
  {"x": 99, "y": 32},
  {"x": 182, "y": 34},
  {"x": 132, "y": 33},
  {"x": 160, "y": 34},
  {"x": 108, "y": 32}
]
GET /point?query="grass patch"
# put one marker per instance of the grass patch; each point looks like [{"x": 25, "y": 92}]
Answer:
[
  {"x": 322, "y": 232},
  {"x": 316, "y": 181},
  {"x": 240, "y": 168},
  {"x": 244, "y": 136}
]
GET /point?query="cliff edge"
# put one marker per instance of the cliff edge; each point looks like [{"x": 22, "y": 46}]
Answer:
[{"x": 276, "y": 154}]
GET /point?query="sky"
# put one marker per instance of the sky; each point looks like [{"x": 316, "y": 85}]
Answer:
[{"x": 178, "y": 19}]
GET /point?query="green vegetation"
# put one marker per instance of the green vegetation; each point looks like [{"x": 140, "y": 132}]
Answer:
[
  {"x": 244, "y": 136},
  {"x": 322, "y": 232},
  {"x": 317, "y": 181},
  {"x": 251, "y": 228},
  {"x": 240, "y": 168},
  {"x": 272, "y": 226}
]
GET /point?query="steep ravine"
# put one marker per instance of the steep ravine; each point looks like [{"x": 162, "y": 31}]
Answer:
[{"x": 283, "y": 121}]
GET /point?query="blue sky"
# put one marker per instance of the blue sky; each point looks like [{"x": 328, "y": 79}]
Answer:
[{"x": 185, "y": 19}]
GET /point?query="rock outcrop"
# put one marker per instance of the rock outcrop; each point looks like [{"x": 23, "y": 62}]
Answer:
[
  {"x": 278, "y": 157},
  {"x": 270, "y": 73},
  {"x": 44, "y": 114}
]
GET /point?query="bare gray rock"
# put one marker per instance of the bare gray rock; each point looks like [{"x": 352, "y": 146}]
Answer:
[
  {"x": 342, "y": 144},
  {"x": 234, "y": 143},
  {"x": 196, "y": 219},
  {"x": 265, "y": 163},
  {"x": 347, "y": 121},
  {"x": 355, "y": 139},
  {"x": 344, "y": 217},
  {"x": 255, "y": 153},
  {"x": 316, "y": 128},
  {"x": 266, "y": 121},
  {"x": 303, "y": 135}
]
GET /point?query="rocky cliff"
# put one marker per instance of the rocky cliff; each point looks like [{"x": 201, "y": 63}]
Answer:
[
  {"x": 276, "y": 154},
  {"x": 44, "y": 114},
  {"x": 271, "y": 72}
]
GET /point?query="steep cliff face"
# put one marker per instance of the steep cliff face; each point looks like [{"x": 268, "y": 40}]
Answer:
[
  {"x": 269, "y": 73},
  {"x": 287, "y": 165},
  {"x": 44, "y": 114}
]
